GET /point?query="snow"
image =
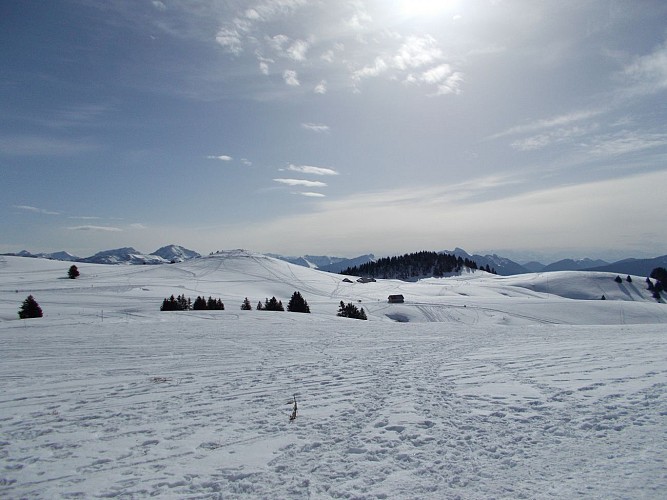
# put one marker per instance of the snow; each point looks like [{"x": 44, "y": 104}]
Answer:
[{"x": 494, "y": 387}]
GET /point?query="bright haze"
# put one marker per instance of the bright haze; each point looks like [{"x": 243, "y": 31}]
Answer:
[{"x": 338, "y": 127}]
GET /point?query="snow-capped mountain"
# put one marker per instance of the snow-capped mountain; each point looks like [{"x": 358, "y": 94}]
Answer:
[
  {"x": 66, "y": 256},
  {"x": 125, "y": 255},
  {"x": 502, "y": 265},
  {"x": 324, "y": 262},
  {"x": 175, "y": 253}
]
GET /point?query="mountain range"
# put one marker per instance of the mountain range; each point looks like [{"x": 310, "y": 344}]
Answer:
[{"x": 501, "y": 265}]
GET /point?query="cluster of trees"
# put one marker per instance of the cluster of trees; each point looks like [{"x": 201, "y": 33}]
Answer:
[
  {"x": 183, "y": 303},
  {"x": 201, "y": 304},
  {"x": 659, "y": 274},
  {"x": 271, "y": 304},
  {"x": 413, "y": 266},
  {"x": 349, "y": 310},
  {"x": 296, "y": 304},
  {"x": 618, "y": 279}
]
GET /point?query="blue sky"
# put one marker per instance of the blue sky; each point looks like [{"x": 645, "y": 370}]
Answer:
[{"x": 536, "y": 129}]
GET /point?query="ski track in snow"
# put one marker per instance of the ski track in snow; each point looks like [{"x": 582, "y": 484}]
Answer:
[{"x": 200, "y": 409}]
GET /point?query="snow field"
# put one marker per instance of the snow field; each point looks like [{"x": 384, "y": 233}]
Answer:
[{"x": 492, "y": 389}]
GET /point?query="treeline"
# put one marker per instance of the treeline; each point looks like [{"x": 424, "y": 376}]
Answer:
[
  {"x": 181, "y": 303},
  {"x": 413, "y": 266}
]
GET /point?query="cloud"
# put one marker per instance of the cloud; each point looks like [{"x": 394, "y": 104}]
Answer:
[
  {"x": 556, "y": 136},
  {"x": 84, "y": 217},
  {"x": 557, "y": 121},
  {"x": 649, "y": 73},
  {"x": 138, "y": 225},
  {"x": 230, "y": 40},
  {"x": 442, "y": 76},
  {"x": 310, "y": 194},
  {"x": 417, "y": 52},
  {"x": 108, "y": 229},
  {"x": 246, "y": 162},
  {"x": 378, "y": 67},
  {"x": 291, "y": 78},
  {"x": 220, "y": 157},
  {"x": 297, "y": 51},
  {"x": 301, "y": 182},
  {"x": 626, "y": 142},
  {"x": 315, "y": 127},
  {"x": 321, "y": 88},
  {"x": 36, "y": 210},
  {"x": 159, "y": 5},
  {"x": 307, "y": 169}
]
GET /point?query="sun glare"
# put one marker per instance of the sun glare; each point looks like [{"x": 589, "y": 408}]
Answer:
[{"x": 426, "y": 8}]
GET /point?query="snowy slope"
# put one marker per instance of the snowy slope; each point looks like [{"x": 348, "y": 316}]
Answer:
[{"x": 500, "y": 387}]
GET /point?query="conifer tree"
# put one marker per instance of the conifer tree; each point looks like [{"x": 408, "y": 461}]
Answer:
[
  {"x": 298, "y": 304},
  {"x": 73, "y": 272},
  {"x": 30, "y": 308},
  {"x": 246, "y": 305}
]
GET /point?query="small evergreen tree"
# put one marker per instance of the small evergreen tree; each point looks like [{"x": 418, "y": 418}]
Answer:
[
  {"x": 604, "y": 298},
  {"x": 298, "y": 304},
  {"x": 246, "y": 305},
  {"x": 30, "y": 308},
  {"x": 628, "y": 279},
  {"x": 73, "y": 272},
  {"x": 618, "y": 279},
  {"x": 260, "y": 306}
]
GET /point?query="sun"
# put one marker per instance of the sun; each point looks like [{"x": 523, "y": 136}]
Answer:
[{"x": 427, "y": 8}]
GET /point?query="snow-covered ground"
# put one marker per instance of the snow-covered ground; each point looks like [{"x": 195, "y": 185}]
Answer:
[{"x": 490, "y": 387}]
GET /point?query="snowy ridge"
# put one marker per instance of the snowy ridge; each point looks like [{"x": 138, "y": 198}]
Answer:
[{"x": 505, "y": 387}]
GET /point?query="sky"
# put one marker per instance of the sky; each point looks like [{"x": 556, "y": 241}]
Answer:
[{"x": 534, "y": 129}]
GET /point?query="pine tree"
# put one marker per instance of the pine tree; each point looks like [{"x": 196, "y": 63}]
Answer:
[
  {"x": 246, "y": 305},
  {"x": 618, "y": 279},
  {"x": 73, "y": 272},
  {"x": 260, "y": 307},
  {"x": 298, "y": 304},
  {"x": 30, "y": 308}
]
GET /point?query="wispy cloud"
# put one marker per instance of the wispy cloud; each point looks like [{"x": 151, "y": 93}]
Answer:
[
  {"x": 28, "y": 208},
  {"x": 625, "y": 142},
  {"x": 316, "y": 127},
  {"x": 301, "y": 182},
  {"x": 551, "y": 137},
  {"x": 108, "y": 229},
  {"x": 310, "y": 194},
  {"x": 547, "y": 123},
  {"x": 648, "y": 73},
  {"x": 220, "y": 157},
  {"x": 308, "y": 169}
]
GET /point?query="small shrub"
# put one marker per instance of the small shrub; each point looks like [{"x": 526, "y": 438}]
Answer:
[{"x": 73, "y": 272}]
